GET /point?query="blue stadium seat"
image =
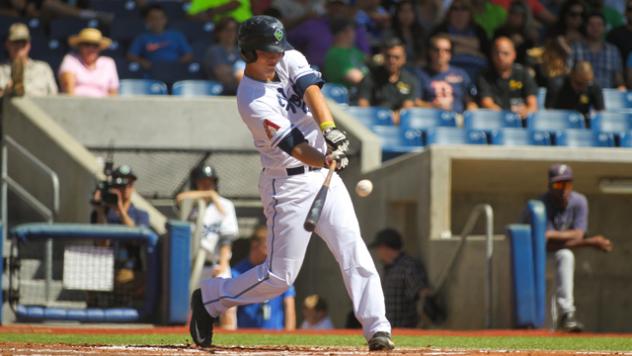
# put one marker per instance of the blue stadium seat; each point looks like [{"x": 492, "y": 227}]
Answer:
[
  {"x": 194, "y": 30},
  {"x": 197, "y": 88},
  {"x": 175, "y": 9},
  {"x": 628, "y": 100},
  {"x": 541, "y": 97},
  {"x": 490, "y": 121},
  {"x": 63, "y": 27},
  {"x": 513, "y": 136},
  {"x": 417, "y": 121},
  {"x": 120, "y": 8},
  {"x": 581, "y": 138},
  {"x": 129, "y": 70},
  {"x": 51, "y": 51},
  {"x": 371, "y": 116},
  {"x": 614, "y": 99},
  {"x": 394, "y": 143},
  {"x": 123, "y": 30},
  {"x": 454, "y": 136},
  {"x": 336, "y": 92},
  {"x": 171, "y": 72},
  {"x": 626, "y": 141},
  {"x": 199, "y": 50},
  {"x": 614, "y": 125},
  {"x": 129, "y": 87},
  {"x": 552, "y": 122}
]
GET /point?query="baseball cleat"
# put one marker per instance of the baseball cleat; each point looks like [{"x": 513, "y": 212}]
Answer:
[
  {"x": 381, "y": 341},
  {"x": 570, "y": 324},
  {"x": 201, "y": 325}
]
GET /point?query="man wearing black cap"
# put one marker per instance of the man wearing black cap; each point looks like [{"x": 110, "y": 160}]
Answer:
[
  {"x": 567, "y": 223},
  {"x": 119, "y": 210},
  {"x": 404, "y": 280}
]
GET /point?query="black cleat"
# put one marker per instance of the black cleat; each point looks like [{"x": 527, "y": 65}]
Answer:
[
  {"x": 381, "y": 341},
  {"x": 570, "y": 324},
  {"x": 201, "y": 326}
]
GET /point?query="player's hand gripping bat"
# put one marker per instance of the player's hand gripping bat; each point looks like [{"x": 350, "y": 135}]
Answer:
[{"x": 319, "y": 201}]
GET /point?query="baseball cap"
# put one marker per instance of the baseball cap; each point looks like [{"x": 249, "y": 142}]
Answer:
[
  {"x": 387, "y": 237},
  {"x": 560, "y": 172},
  {"x": 19, "y": 32},
  {"x": 124, "y": 171}
]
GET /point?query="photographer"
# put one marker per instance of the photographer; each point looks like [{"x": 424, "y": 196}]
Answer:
[{"x": 112, "y": 201}]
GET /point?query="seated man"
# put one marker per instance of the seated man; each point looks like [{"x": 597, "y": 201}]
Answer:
[
  {"x": 578, "y": 92},
  {"x": 390, "y": 85},
  {"x": 567, "y": 223},
  {"x": 277, "y": 313},
  {"x": 507, "y": 85}
]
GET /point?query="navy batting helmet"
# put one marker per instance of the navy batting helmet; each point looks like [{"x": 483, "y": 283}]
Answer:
[
  {"x": 203, "y": 171},
  {"x": 264, "y": 33}
]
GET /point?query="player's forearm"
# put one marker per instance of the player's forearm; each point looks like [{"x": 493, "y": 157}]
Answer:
[
  {"x": 290, "y": 313},
  {"x": 224, "y": 255},
  {"x": 317, "y": 104},
  {"x": 564, "y": 236},
  {"x": 308, "y": 155}
]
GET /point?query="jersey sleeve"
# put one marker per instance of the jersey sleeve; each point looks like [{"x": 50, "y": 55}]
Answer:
[
  {"x": 580, "y": 221},
  {"x": 228, "y": 230},
  {"x": 274, "y": 125},
  {"x": 300, "y": 73}
]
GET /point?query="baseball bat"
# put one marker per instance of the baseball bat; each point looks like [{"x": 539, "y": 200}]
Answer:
[{"x": 319, "y": 201}]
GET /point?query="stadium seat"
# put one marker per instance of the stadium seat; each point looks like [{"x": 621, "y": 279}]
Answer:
[
  {"x": 614, "y": 125},
  {"x": 454, "y": 136},
  {"x": 626, "y": 141},
  {"x": 129, "y": 87},
  {"x": 490, "y": 121},
  {"x": 175, "y": 9},
  {"x": 371, "y": 116},
  {"x": 394, "y": 143},
  {"x": 197, "y": 88},
  {"x": 614, "y": 99},
  {"x": 552, "y": 122},
  {"x": 336, "y": 92},
  {"x": 199, "y": 49},
  {"x": 129, "y": 70},
  {"x": 125, "y": 29},
  {"x": 63, "y": 27},
  {"x": 171, "y": 72},
  {"x": 120, "y": 8},
  {"x": 513, "y": 136},
  {"x": 194, "y": 30},
  {"x": 541, "y": 97},
  {"x": 581, "y": 138},
  {"x": 50, "y": 51},
  {"x": 417, "y": 121}
]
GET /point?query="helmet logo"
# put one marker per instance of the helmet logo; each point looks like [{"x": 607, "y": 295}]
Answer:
[{"x": 278, "y": 34}]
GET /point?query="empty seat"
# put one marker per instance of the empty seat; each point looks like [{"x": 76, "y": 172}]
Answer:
[
  {"x": 336, "y": 92},
  {"x": 194, "y": 30},
  {"x": 51, "y": 51},
  {"x": 614, "y": 125},
  {"x": 553, "y": 120},
  {"x": 171, "y": 72},
  {"x": 371, "y": 116},
  {"x": 125, "y": 29},
  {"x": 129, "y": 70},
  {"x": 614, "y": 99},
  {"x": 513, "y": 136},
  {"x": 627, "y": 140},
  {"x": 454, "y": 136},
  {"x": 120, "y": 8},
  {"x": 174, "y": 9},
  {"x": 197, "y": 88},
  {"x": 394, "y": 143},
  {"x": 490, "y": 121},
  {"x": 63, "y": 27},
  {"x": 541, "y": 97},
  {"x": 142, "y": 87},
  {"x": 420, "y": 118},
  {"x": 582, "y": 138}
]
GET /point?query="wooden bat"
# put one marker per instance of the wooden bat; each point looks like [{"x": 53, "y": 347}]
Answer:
[{"x": 319, "y": 201}]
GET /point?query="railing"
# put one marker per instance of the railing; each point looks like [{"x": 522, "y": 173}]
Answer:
[
  {"x": 49, "y": 213},
  {"x": 489, "y": 254}
]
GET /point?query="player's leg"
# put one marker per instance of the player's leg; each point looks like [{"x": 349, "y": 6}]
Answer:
[
  {"x": 286, "y": 201},
  {"x": 564, "y": 274},
  {"x": 339, "y": 228}
]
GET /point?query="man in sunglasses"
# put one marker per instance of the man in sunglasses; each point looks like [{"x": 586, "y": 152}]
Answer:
[
  {"x": 22, "y": 75},
  {"x": 567, "y": 223}
]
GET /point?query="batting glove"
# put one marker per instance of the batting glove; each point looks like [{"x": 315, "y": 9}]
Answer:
[
  {"x": 336, "y": 140},
  {"x": 342, "y": 161}
]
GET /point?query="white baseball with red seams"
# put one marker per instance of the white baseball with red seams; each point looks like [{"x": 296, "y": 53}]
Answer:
[
  {"x": 364, "y": 188},
  {"x": 271, "y": 110}
]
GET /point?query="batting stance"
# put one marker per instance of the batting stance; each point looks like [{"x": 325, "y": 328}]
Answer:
[{"x": 280, "y": 101}]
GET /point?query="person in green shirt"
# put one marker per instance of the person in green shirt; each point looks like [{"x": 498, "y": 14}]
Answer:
[
  {"x": 344, "y": 63},
  {"x": 489, "y": 16},
  {"x": 215, "y": 10}
]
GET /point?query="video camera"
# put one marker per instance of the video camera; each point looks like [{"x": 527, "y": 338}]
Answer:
[{"x": 112, "y": 180}]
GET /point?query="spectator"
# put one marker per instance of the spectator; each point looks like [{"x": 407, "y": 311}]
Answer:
[
  {"x": 313, "y": 37},
  {"x": 371, "y": 16},
  {"x": 541, "y": 13},
  {"x": 404, "y": 280},
  {"x": 49, "y": 9},
  {"x": 315, "y": 314},
  {"x": 612, "y": 17},
  {"x": 408, "y": 29},
  {"x": 389, "y": 84},
  {"x": 552, "y": 65},
  {"x": 215, "y": 10},
  {"x": 222, "y": 61},
  {"x": 277, "y": 313},
  {"x": 519, "y": 28},
  {"x": 604, "y": 57},
  {"x": 37, "y": 76},
  {"x": 577, "y": 92},
  {"x": 86, "y": 73},
  {"x": 294, "y": 12},
  {"x": 469, "y": 41},
  {"x": 571, "y": 23},
  {"x": 488, "y": 15},
  {"x": 19, "y": 8},
  {"x": 159, "y": 44},
  {"x": 507, "y": 85},
  {"x": 567, "y": 224},
  {"x": 620, "y": 37},
  {"x": 443, "y": 86},
  {"x": 219, "y": 227},
  {"x": 344, "y": 63}
]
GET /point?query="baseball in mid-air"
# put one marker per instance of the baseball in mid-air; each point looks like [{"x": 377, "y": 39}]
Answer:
[{"x": 364, "y": 188}]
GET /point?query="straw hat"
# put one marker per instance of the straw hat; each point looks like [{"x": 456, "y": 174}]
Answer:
[{"x": 90, "y": 35}]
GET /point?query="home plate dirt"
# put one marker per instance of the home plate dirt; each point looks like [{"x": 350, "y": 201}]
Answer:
[{"x": 65, "y": 349}]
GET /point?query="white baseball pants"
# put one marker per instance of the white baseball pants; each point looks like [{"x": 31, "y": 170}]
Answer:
[{"x": 286, "y": 201}]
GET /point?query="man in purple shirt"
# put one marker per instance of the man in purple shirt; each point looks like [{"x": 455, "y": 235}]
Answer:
[
  {"x": 567, "y": 223},
  {"x": 314, "y": 37}
]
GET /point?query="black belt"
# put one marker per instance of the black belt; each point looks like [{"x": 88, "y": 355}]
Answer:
[{"x": 300, "y": 170}]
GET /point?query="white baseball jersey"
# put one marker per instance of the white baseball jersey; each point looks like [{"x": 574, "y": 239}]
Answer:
[
  {"x": 271, "y": 115},
  {"x": 218, "y": 226}
]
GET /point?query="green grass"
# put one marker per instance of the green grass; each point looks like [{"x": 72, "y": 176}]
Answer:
[{"x": 462, "y": 342}]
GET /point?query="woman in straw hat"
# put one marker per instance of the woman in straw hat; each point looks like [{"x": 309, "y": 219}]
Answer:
[{"x": 85, "y": 72}]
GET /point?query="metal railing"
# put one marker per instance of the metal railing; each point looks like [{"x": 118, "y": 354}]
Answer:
[
  {"x": 49, "y": 213},
  {"x": 489, "y": 254}
]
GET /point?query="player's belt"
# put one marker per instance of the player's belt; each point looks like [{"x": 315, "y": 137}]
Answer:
[{"x": 300, "y": 170}]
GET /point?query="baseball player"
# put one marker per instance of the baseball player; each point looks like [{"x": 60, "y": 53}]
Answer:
[{"x": 279, "y": 99}]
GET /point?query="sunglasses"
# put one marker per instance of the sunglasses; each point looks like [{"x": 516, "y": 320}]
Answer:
[
  {"x": 575, "y": 13},
  {"x": 89, "y": 45},
  {"x": 560, "y": 185},
  {"x": 438, "y": 49}
]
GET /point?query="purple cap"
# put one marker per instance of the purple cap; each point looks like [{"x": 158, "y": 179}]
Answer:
[{"x": 560, "y": 173}]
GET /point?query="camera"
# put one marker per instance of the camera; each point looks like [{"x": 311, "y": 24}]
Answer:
[{"x": 113, "y": 179}]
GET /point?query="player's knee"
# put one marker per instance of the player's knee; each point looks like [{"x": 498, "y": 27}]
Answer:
[{"x": 279, "y": 284}]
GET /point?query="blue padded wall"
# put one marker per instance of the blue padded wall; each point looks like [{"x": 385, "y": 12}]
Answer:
[
  {"x": 537, "y": 216},
  {"x": 522, "y": 267},
  {"x": 179, "y": 262}
]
